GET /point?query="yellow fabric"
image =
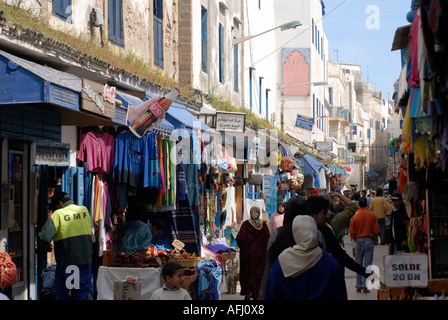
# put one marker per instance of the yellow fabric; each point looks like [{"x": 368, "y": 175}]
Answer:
[{"x": 71, "y": 221}]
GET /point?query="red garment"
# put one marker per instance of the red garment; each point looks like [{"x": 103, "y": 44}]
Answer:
[
  {"x": 97, "y": 149},
  {"x": 252, "y": 244}
]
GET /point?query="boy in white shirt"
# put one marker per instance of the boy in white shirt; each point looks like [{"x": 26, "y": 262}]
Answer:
[{"x": 173, "y": 274}]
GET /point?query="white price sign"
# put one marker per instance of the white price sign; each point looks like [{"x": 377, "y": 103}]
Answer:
[{"x": 406, "y": 270}]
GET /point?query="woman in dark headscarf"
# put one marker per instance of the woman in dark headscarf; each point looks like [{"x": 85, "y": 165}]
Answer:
[{"x": 252, "y": 239}]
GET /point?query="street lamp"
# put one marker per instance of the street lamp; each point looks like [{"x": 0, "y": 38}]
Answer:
[
  {"x": 283, "y": 27},
  {"x": 316, "y": 83}
]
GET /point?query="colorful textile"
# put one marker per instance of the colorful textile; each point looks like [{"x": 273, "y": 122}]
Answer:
[
  {"x": 210, "y": 275},
  {"x": 97, "y": 150},
  {"x": 135, "y": 161}
]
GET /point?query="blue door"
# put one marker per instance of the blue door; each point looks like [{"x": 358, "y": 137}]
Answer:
[{"x": 270, "y": 192}]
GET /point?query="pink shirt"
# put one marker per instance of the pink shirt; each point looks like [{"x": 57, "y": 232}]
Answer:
[
  {"x": 97, "y": 149},
  {"x": 276, "y": 221}
]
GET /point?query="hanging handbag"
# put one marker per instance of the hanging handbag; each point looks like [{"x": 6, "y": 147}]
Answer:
[
  {"x": 255, "y": 179},
  {"x": 8, "y": 271}
]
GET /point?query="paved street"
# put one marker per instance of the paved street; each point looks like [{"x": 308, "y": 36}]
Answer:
[{"x": 350, "y": 276}]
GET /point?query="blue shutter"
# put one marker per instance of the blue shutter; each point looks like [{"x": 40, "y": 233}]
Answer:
[
  {"x": 158, "y": 33},
  {"x": 260, "y": 98},
  {"x": 270, "y": 192},
  {"x": 250, "y": 88},
  {"x": 62, "y": 9},
  {"x": 204, "y": 40},
  {"x": 80, "y": 190},
  {"x": 267, "y": 105},
  {"x": 221, "y": 53},
  {"x": 312, "y": 30},
  {"x": 235, "y": 68},
  {"x": 115, "y": 22}
]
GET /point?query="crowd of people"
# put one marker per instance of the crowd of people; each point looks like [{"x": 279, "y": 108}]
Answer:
[{"x": 299, "y": 253}]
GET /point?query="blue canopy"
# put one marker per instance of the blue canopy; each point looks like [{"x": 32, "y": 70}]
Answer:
[
  {"x": 337, "y": 170},
  {"x": 372, "y": 174},
  {"x": 30, "y": 82},
  {"x": 312, "y": 167}
]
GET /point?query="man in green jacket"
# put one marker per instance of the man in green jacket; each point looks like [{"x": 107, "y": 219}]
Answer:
[
  {"x": 342, "y": 219},
  {"x": 70, "y": 227}
]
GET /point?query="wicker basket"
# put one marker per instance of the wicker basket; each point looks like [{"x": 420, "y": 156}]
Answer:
[{"x": 187, "y": 263}]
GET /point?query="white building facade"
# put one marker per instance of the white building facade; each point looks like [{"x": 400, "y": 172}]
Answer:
[{"x": 302, "y": 65}]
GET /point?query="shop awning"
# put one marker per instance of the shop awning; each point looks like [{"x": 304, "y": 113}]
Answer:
[
  {"x": 24, "y": 81},
  {"x": 312, "y": 167},
  {"x": 372, "y": 174},
  {"x": 311, "y": 164},
  {"x": 129, "y": 100},
  {"x": 337, "y": 170}
]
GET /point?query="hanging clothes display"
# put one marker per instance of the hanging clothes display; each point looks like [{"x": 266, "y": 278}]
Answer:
[
  {"x": 97, "y": 150},
  {"x": 183, "y": 227},
  {"x": 135, "y": 162}
]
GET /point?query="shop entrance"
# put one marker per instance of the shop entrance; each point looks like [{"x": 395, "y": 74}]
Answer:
[{"x": 18, "y": 231}]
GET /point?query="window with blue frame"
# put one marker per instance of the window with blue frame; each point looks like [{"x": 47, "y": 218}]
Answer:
[
  {"x": 314, "y": 107},
  {"x": 260, "y": 98},
  {"x": 62, "y": 9},
  {"x": 115, "y": 22},
  {"x": 235, "y": 68},
  {"x": 221, "y": 53},
  {"x": 204, "y": 40},
  {"x": 250, "y": 87},
  {"x": 312, "y": 30},
  {"x": 267, "y": 104},
  {"x": 158, "y": 33}
]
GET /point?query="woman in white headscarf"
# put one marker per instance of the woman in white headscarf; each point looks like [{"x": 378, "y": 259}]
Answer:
[{"x": 305, "y": 271}]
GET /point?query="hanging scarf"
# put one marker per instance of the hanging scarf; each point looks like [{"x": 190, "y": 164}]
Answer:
[{"x": 306, "y": 253}]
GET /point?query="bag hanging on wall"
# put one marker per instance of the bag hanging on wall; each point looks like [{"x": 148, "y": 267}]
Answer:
[
  {"x": 8, "y": 271},
  {"x": 255, "y": 179}
]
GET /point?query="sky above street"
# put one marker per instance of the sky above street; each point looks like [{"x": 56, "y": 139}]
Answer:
[{"x": 362, "y": 32}]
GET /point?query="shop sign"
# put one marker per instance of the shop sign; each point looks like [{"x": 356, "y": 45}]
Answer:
[
  {"x": 55, "y": 154},
  {"x": 230, "y": 121},
  {"x": 98, "y": 99},
  {"x": 326, "y": 156},
  {"x": 304, "y": 122},
  {"x": 324, "y": 146},
  {"x": 406, "y": 270},
  {"x": 350, "y": 160}
]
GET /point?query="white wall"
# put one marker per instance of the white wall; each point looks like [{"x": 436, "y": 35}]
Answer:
[{"x": 305, "y": 12}]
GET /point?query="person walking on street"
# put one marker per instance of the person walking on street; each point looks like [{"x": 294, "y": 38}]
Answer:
[
  {"x": 252, "y": 240},
  {"x": 70, "y": 227},
  {"x": 276, "y": 220},
  {"x": 363, "y": 230},
  {"x": 304, "y": 271},
  {"x": 341, "y": 220},
  {"x": 398, "y": 226},
  {"x": 380, "y": 207}
]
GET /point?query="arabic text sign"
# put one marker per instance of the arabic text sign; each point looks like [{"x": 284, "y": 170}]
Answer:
[
  {"x": 234, "y": 122},
  {"x": 304, "y": 122}
]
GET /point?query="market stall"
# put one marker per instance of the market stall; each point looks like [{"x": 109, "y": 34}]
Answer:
[
  {"x": 157, "y": 178},
  {"x": 420, "y": 98}
]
